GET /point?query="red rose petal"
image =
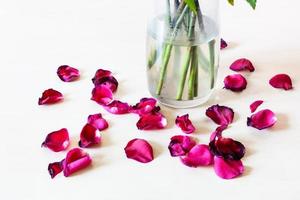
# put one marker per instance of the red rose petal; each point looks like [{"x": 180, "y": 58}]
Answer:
[
  {"x": 117, "y": 107},
  {"x": 282, "y": 81},
  {"x": 221, "y": 115},
  {"x": 57, "y": 140},
  {"x": 102, "y": 95},
  {"x": 241, "y": 65},
  {"x": 109, "y": 82},
  {"x": 198, "y": 156},
  {"x": 50, "y": 96},
  {"x": 235, "y": 82},
  {"x": 98, "y": 122},
  {"x": 262, "y": 119},
  {"x": 228, "y": 169},
  {"x": 101, "y": 73},
  {"x": 55, "y": 168},
  {"x": 223, "y": 44},
  {"x": 180, "y": 145},
  {"x": 185, "y": 124},
  {"x": 67, "y": 73},
  {"x": 227, "y": 148},
  {"x": 255, "y": 105},
  {"x": 152, "y": 121},
  {"x": 89, "y": 136},
  {"x": 139, "y": 150},
  {"x": 218, "y": 132},
  {"x": 145, "y": 106}
]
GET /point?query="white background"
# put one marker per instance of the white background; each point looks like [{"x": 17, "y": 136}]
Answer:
[{"x": 37, "y": 36}]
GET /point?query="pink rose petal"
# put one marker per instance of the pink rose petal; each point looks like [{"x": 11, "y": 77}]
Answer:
[
  {"x": 145, "y": 106},
  {"x": 185, "y": 124},
  {"x": 255, "y": 105},
  {"x": 98, "y": 122},
  {"x": 282, "y": 81},
  {"x": 102, "y": 95},
  {"x": 198, "y": 156},
  {"x": 57, "y": 140},
  {"x": 152, "y": 121},
  {"x": 242, "y": 65},
  {"x": 101, "y": 73},
  {"x": 180, "y": 145},
  {"x": 117, "y": 107},
  {"x": 139, "y": 150},
  {"x": 228, "y": 169},
  {"x": 50, "y": 96},
  {"x": 235, "y": 82},
  {"x": 223, "y": 44},
  {"x": 67, "y": 73},
  {"x": 221, "y": 115},
  {"x": 218, "y": 132},
  {"x": 109, "y": 82},
  {"x": 227, "y": 148},
  {"x": 55, "y": 168},
  {"x": 89, "y": 136},
  {"x": 262, "y": 119}
]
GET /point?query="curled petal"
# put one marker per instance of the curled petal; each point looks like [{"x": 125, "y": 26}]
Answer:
[
  {"x": 109, "y": 82},
  {"x": 67, "y": 73},
  {"x": 198, "y": 156},
  {"x": 282, "y": 81},
  {"x": 145, "y": 106},
  {"x": 262, "y": 119},
  {"x": 100, "y": 73},
  {"x": 50, "y": 96},
  {"x": 218, "y": 132},
  {"x": 255, "y": 105},
  {"x": 241, "y": 65},
  {"x": 228, "y": 169},
  {"x": 55, "y": 168},
  {"x": 223, "y": 44},
  {"x": 98, "y": 122},
  {"x": 235, "y": 82},
  {"x": 152, "y": 121},
  {"x": 180, "y": 145},
  {"x": 185, "y": 124},
  {"x": 117, "y": 107},
  {"x": 57, "y": 140},
  {"x": 227, "y": 148},
  {"x": 102, "y": 95},
  {"x": 139, "y": 150},
  {"x": 221, "y": 115},
  {"x": 89, "y": 136}
]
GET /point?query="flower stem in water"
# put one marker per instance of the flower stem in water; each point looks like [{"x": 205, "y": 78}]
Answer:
[{"x": 211, "y": 46}]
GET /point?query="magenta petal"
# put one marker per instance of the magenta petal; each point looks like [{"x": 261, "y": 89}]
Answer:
[
  {"x": 221, "y": 115},
  {"x": 282, "y": 81},
  {"x": 67, "y": 73},
  {"x": 109, "y": 82},
  {"x": 102, "y": 95},
  {"x": 145, "y": 106},
  {"x": 57, "y": 140},
  {"x": 180, "y": 145},
  {"x": 227, "y": 148},
  {"x": 117, "y": 107},
  {"x": 223, "y": 44},
  {"x": 55, "y": 168},
  {"x": 89, "y": 136},
  {"x": 218, "y": 132},
  {"x": 262, "y": 119},
  {"x": 185, "y": 124},
  {"x": 235, "y": 82},
  {"x": 75, "y": 160},
  {"x": 101, "y": 73},
  {"x": 198, "y": 156},
  {"x": 139, "y": 150},
  {"x": 228, "y": 169},
  {"x": 152, "y": 121},
  {"x": 98, "y": 122},
  {"x": 241, "y": 65},
  {"x": 255, "y": 105},
  {"x": 50, "y": 96}
]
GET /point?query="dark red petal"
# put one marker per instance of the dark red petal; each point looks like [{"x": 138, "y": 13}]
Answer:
[
  {"x": 75, "y": 160},
  {"x": 221, "y": 115},
  {"x": 109, "y": 82},
  {"x": 117, "y": 107},
  {"x": 262, "y": 119},
  {"x": 55, "y": 168},
  {"x": 50, "y": 96},
  {"x": 227, "y": 148},
  {"x": 223, "y": 44},
  {"x": 98, "y": 121},
  {"x": 139, "y": 150},
  {"x": 100, "y": 73},
  {"x": 282, "y": 81},
  {"x": 198, "y": 156},
  {"x": 67, "y": 73},
  {"x": 242, "y": 65},
  {"x": 218, "y": 132},
  {"x": 180, "y": 145},
  {"x": 185, "y": 124},
  {"x": 228, "y": 169},
  {"x": 255, "y": 105},
  {"x": 57, "y": 140},
  {"x": 152, "y": 121},
  {"x": 89, "y": 136},
  {"x": 102, "y": 95},
  {"x": 235, "y": 82},
  {"x": 145, "y": 106}
]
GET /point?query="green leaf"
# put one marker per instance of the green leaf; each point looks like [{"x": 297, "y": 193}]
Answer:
[
  {"x": 191, "y": 4},
  {"x": 231, "y": 2},
  {"x": 252, "y": 3}
]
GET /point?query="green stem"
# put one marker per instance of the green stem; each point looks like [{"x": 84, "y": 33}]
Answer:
[
  {"x": 211, "y": 46},
  {"x": 169, "y": 20},
  {"x": 199, "y": 16},
  {"x": 152, "y": 58},
  {"x": 193, "y": 75},
  {"x": 196, "y": 76}
]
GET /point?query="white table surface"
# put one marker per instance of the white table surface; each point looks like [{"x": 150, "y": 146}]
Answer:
[{"x": 38, "y": 36}]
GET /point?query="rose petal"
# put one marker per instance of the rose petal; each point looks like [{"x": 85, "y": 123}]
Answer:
[
  {"x": 67, "y": 73},
  {"x": 89, "y": 136},
  {"x": 102, "y": 95},
  {"x": 145, "y": 106},
  {"x": 185, "y": 124},
  {"x": 109, "y": 82},
  {"x": 117, "y": 107},
  {"x": 100, "y": 73},
  {"x": 180, "y": 145},
  {"x": 227, "y": 148},
  {"x": 55, "y": 168},
  {"x": 98, "y": 122},
  {"x": 262, "y": 119},
  {"x": 223, "y": 44},
  {"x": 152, "y": 121},
  {"x": 50, "y": 96},
  {"x": 228, "y": 169},
  {"x": 218, "y": 132},
  {"x": 255, "y": 105},
  {"x": 139, "y": 150},
  {"x": 75, "y": 160},
  {"x": 235, "y": 82},
  {"x": 282, "y": 81},
  {"x": 221, "y": 115},
  {"x": 57, "y": 140},
  {"x": 242, "y": 65},
  {"x": 198, "y": 156}
]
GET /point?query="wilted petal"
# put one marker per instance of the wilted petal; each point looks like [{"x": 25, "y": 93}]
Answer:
[
  {"x": 227, "y": 148},
  {"x": 241, "y": 65},
  {"x": 228, "y": 169},
  {"x": 262, "y": 119},
  {"x": 185, "y": 124},
  {"x": 117, "y": 107},
  {"x": 198, "y": 156},
  {"x": 139, "y": 150},
  {"x": 50, "y": 96},
  {"x": 180, "y": 145},
  {"x": 282, "y": 81},
  {"x": 89, "y": 136},
  {"x": 255, "y": 105},
  {"x": 235, "y": 82},
  {"x": 221, "y": 115},
  {"x": 101, "y": 73},
  {"x": 145, "y": 106},
  {"x": 218, "y": 132},
  {"x": 102, "y": 95},
  {"x": 109, "y": 82},
  {"x": 223, "y": 44},
  {"x": 55, "y": 168},
  {"x": 57, "y": 140},
  {"x": 67, "y": 73},
  {"x": 98, "y": 121},
  {"x": 152, "y": 121}
]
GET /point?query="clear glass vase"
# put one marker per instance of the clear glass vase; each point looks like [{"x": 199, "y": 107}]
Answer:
[{"x": 183, "y": 47}]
